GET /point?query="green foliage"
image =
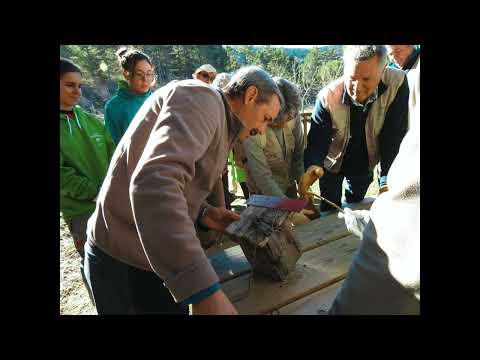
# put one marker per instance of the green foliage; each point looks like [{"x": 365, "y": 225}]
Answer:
[{"x": 310, "y": 69}]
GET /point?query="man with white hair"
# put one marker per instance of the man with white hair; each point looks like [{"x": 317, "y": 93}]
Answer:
[
  {"x": 206, "y": 73},
  {"x": 359, "y": 121},
  {"x": 405, "y": 57},
  {"x": 384, "y": 278}
]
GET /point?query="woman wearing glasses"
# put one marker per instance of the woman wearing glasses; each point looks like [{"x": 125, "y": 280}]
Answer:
[{"x": 132, "y": 92}]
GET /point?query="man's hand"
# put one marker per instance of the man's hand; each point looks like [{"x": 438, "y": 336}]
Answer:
[
  {"x": 382, "y": 189},
  {"x": 355, "y": 220},
  {"x": 217, "y": 218},
  {"x": 215, "y": 304},
  {"x": 313, "y": 173}
]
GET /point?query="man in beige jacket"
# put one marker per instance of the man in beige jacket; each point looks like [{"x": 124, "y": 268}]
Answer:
[{"x": 142, "y": 237}]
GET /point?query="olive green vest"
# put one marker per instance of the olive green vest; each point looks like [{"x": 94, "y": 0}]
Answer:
[
  {"x": 279, "y": 159},
  {"x": 331, "y": 99}
]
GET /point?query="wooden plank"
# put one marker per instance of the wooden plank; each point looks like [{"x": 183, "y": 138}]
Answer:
[
  {"x": 230, "y": 263},
  {"x": 326, "y": 229},
  {"x": 320, "y": 232},
  {"x": 317, "y": 303},
  {"x": 315, "y": 270}
]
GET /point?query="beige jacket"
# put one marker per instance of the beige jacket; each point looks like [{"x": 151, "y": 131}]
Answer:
[
  {"x": 272, "y": 168},
  {"x": 163, "y": 169},
  {"x": 331, "y": 99}
]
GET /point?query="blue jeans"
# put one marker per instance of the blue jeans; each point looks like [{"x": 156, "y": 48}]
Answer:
[
  {"x": 331, "y": 188},
  {"x": 120, "y": 289}
]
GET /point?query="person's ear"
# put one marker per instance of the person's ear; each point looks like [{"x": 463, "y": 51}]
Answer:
[
  {"x": 250, "y": 94},
  {"x": 126, "y": 74}
]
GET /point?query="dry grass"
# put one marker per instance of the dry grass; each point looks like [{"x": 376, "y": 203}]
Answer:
[{"x": 74, "y": 299}]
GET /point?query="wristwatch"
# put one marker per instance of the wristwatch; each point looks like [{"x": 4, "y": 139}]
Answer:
[{"x": 201, "y": 215}]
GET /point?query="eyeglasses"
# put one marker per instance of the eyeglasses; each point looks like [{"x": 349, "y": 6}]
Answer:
[{"x": 146, "y": 77}]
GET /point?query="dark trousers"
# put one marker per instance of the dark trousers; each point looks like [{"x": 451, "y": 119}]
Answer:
[
  {"x": 355, "y": 190},
  {"x": 246, "y": 193},
  {"x": 120, "y": 289},
  {"x": 229, "y": 198}
]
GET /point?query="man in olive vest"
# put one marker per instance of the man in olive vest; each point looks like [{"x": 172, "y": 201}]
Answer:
[
  {"x": 274, "y": 159},
  {"x": 359, "y": 121}
]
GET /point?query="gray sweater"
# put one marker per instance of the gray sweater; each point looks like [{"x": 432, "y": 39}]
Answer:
[{"x": 166, "y": 164}]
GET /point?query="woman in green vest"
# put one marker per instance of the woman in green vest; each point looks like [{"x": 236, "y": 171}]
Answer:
[
  {"x": 132, "y": 92},
  {"x": 85, "y": 152}
]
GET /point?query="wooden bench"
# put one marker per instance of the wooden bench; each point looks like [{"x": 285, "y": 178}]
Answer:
[{"x": 327, "y": 253}]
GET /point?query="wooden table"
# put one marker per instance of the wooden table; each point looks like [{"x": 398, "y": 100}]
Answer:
[{"x": 327, "y": 252}]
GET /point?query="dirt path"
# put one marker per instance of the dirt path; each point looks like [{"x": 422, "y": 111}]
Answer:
[{"x": 74, "y": 298}]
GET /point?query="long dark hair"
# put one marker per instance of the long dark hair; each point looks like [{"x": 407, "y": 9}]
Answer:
[{"x": 128, "y": 58}]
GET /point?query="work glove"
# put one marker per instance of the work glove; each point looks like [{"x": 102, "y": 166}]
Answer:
[
  {"x": 355, "y": 220},
  {"x": 312, "y": 174},
  {"x": 382, "y": 189}
]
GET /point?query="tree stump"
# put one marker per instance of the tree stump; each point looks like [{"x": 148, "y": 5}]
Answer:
[{"x": 267, "y": 239}]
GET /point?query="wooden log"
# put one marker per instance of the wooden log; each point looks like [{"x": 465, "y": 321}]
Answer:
[
  {"x": 256, "y": 225},
  {"x": 267, "y": 240}
]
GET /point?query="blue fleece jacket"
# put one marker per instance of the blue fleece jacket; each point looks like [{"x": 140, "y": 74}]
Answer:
[{"x": 121, "y": 109}]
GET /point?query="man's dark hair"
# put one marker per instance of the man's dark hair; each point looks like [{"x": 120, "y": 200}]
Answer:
[{"x": 67, "y": 65}]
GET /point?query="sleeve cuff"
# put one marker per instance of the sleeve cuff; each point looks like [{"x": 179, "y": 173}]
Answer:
[
  {"x": 192, "y": 280},
  {"x": 383, "y": 180},
  {"x": 201, "y": 295}
]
